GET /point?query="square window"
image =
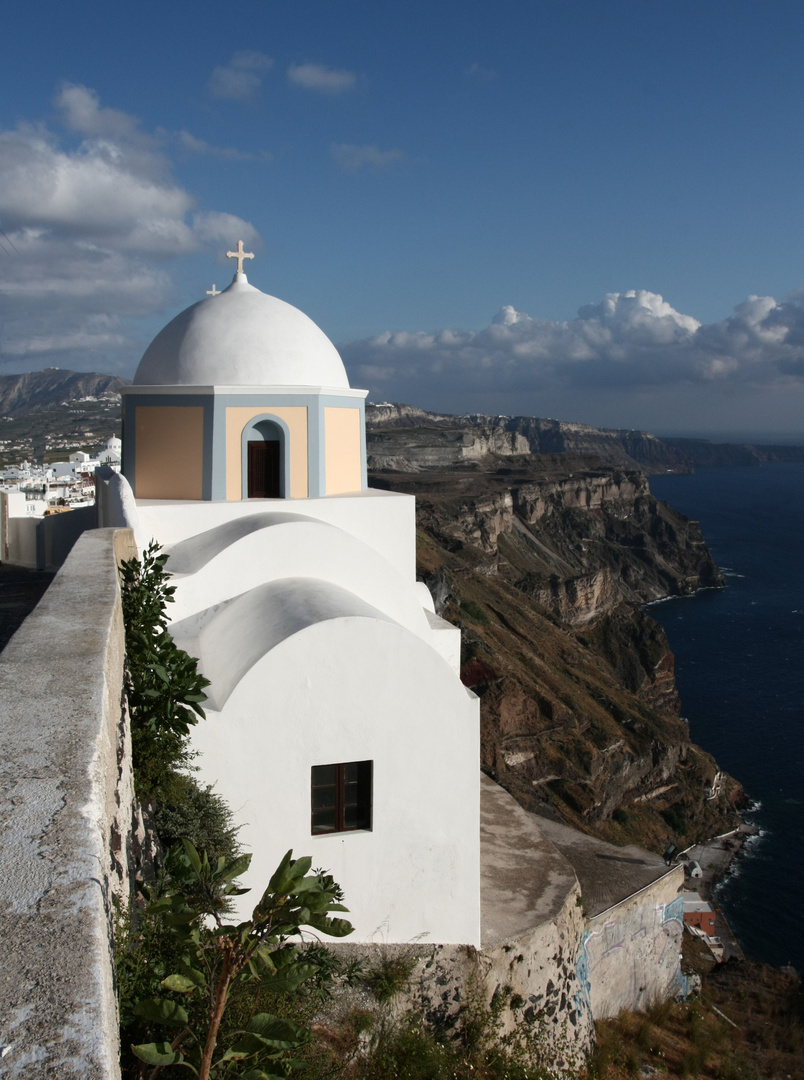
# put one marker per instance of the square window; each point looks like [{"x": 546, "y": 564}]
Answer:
[{"x": 341, "y": 797}]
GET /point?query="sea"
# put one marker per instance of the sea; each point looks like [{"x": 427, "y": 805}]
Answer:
[{"x": 740, "y": 672}]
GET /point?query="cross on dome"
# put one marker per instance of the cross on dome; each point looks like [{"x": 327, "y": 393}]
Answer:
[
  {"x": 213, "y": 291},
  {"x": 240, "y": 255}
]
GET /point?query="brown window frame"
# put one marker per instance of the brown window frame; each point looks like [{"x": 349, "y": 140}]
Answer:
[{"x": 339, "y": 809}]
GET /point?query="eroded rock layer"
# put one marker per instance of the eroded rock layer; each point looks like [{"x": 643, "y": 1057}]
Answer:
[{"x": 546, "y": 562}]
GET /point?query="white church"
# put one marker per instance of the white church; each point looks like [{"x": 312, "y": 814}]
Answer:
[{"x": 337, "y": 724}]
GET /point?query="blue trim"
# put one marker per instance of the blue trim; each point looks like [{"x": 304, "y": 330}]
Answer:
[
  {"x": 131, "y": 402},
  {"x": 218, "y": 475},
  {"x": 363, "y": 450},
  {"x": 267, "y": 400},
  {"x": 315, "y": 450},
  {"x": 315, "y": 404},
  {"x": 252, "y": 427}
]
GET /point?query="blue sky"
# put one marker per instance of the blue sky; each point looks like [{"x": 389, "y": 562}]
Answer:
[{"x": 586, "y": 210}]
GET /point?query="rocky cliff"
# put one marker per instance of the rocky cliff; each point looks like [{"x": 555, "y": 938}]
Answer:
[
  {"x": 545, "y": 561},
  {"x": 38, "y": 390},
  {"x": 404, "y": 438}
]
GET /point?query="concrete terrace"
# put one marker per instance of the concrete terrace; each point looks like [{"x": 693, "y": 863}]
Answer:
[
  {"x": 524, "y": 879},
  {"x": 607, "y": 873}
]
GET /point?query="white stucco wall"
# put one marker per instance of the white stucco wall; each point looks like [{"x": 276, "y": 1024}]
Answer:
[
  {"x": 445, "y": 639},
  {"x": 383, "y": 520},
  {"x": 308, "y": 621},
  {"x": 233, "y": 557},
  {"x": 356, "y": 689}
]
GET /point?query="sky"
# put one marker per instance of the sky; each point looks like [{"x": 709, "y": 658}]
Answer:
[{"x": 573, "y": 208}]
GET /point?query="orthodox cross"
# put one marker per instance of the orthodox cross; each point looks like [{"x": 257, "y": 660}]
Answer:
[
  {"x": 213, "y": 291},
  {"x": 240, "y": 255}
]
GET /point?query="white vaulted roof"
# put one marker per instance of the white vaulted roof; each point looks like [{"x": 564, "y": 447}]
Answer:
[{"x": 242, "y": 337}]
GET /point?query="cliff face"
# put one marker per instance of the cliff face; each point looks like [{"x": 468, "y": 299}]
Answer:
[
  {"x": 37, "y": 390},
  {"x": 403, "y": 438},
  {"x": 544, "y": 563},
  {"x": 406, "y": 439},
  {"x": 579, "y": 539}
]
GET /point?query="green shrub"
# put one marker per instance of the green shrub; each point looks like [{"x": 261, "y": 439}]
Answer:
[
  {"x": 475, "y": 612},
  {"x": 409, "y": 1052},
  {"x": 644, "y": 1034},
  {"x": 163, "y": 685},
  {"x": 388, "y": 976},
  {"x": 214, "y": 966},
  {"x": 676, "y": 819},
  {"x": 191, "y": 811}
]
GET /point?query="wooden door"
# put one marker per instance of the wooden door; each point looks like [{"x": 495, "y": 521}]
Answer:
[{"x": 263, "y": 469}]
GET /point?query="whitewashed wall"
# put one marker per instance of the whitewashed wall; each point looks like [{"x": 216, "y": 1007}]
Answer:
[{"x": 354, "y": 689}]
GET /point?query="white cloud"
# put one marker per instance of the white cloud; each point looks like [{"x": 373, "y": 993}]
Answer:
[
  {"x": 82, "y": 112},
  {"x": 631, "y": 345},
  {"x": 93, "y": 336},
  {"x": 352, "y": 158},
  {"x": 317, "y": 77},
  {"x": 108, "y": 131},
  {"x": 214, "y": 228},
  {"x": 90, "y": 229},
  {"x": 241, "y": 78}
]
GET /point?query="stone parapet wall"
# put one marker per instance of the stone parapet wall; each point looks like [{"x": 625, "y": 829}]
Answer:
[{"x": 65, "y": 813}]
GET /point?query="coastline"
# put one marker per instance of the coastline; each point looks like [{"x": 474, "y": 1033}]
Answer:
[
  {"x": 715, "y": 857},
  {"x": 741, "y": 685}
]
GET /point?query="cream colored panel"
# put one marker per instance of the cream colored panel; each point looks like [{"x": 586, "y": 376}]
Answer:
[
  {"x": 343, "y": 452},
  {"x": 237, "y": 416},
  {"x": 169, "y": 451}
]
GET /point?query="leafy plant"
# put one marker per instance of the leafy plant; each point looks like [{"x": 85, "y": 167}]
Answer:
[
  {"x": 196, "y": 812},
  {"x": 218, "y": 960},
  {"x": 163, "y": 684},
  {"x": 389, "y": 975}
]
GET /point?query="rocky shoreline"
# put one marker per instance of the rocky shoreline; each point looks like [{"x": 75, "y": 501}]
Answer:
[{"x": 715, "y": 858}]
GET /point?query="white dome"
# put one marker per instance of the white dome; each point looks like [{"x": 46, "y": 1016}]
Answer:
[{"x": 241, "y": 337}]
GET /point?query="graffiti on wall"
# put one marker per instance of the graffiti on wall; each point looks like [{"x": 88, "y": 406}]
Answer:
[{"x": 632, "y": 958}]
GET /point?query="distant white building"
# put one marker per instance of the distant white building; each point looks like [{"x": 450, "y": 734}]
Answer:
[
  {"x": 29, "y": 492},
  {"x": 81, "y": 462}
]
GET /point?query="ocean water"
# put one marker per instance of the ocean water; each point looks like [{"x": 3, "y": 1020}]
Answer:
[{"x": 740, "y": 672}]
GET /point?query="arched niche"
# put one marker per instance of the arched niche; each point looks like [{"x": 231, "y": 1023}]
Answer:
[{"x": 265, "y": 458}]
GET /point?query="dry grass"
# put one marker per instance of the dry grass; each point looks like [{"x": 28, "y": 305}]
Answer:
[{"x": 693, "y": 1039}]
